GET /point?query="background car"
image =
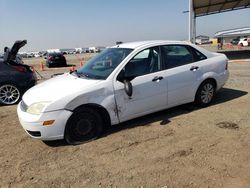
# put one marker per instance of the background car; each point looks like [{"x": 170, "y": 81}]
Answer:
[
  {"x": 243, "y": 42},
  {"x": 55, "y": 60},
  {"x": 235, "y": 41},
  {"x": 15, "y": 77}
]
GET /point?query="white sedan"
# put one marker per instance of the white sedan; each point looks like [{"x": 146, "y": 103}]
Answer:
[{"x": 121, "y": 83}]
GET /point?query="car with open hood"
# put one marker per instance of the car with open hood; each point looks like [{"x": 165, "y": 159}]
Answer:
[
  {"x": 15, "y": 77},
  {"x": 123, "y": 82}
]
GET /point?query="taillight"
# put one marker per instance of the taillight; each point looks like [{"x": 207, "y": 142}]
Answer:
[
  {"x": 50, "y": 58},
  {"x": 20, "y": 68}
]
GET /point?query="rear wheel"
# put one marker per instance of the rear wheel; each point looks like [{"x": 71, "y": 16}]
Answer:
[
  {"x": 9, "y": 94},
  {"x": 205, "y": 93},
  {"x": 84, "y": 125}
]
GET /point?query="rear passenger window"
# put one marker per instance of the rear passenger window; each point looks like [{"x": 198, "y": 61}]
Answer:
[
  {"x": 198, "y": 55},
  {"x": 176, "y": 55}
]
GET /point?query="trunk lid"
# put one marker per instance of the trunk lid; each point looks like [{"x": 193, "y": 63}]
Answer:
[{"x": 11, "y": 54}]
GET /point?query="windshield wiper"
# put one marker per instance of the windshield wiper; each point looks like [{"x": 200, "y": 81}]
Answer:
[{"x": 82, "y": 75}]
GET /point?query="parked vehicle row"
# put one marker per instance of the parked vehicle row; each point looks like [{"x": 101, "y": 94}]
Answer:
[
  {"x": 121, "y": 83},
  {"x": 63, "y": 51},
  {"x": 241, "y": 41}
]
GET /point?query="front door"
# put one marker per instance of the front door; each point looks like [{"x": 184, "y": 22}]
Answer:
[{"x": 149, "y": 86}]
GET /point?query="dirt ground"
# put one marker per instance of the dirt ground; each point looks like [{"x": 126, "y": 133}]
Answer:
[{"x": 181, "y": 147}]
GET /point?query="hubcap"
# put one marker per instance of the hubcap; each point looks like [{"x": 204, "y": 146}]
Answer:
[
  {"x": 207, "y": 93},
  {"x": 83, "y": 127},
  {"x": 9, "y": 94}
]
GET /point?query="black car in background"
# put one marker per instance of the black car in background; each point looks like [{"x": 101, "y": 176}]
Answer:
[
  {"x": 15, "y": 77},
  {"x": 55, "y": 59},
  {"x": 235, "y": 41}
]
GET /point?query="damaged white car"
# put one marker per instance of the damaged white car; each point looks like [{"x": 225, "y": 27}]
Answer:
[{"x": 121, "y": 83}]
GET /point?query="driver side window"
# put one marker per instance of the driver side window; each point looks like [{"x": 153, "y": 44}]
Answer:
[{"x": 145, "y": 62}]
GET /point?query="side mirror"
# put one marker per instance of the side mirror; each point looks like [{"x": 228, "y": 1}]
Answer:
[
  {"x": 126, "y": 81},
  {"x": 128, "y": 87}
]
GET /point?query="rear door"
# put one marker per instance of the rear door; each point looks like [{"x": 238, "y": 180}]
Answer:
[{"x": 183, "y": 66}]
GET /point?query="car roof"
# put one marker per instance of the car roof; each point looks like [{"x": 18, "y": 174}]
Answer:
[{"x": 134, "y": 45}]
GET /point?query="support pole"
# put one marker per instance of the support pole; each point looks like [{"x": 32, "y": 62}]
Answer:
[
  {"x": 194, "y": 29},
  {"x": 192, "y": 22}
]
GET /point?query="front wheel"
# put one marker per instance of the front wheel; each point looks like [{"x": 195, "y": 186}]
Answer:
[
  {"x": 205, "y": 93},
  {"x": 84, "y": 125},
  {"x": 9, "y": 94}
]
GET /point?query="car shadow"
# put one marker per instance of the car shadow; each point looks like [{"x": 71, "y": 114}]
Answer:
[{"x": 164, "y": 116}]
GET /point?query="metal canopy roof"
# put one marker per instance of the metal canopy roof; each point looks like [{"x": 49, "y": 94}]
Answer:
[
  {"x": 233, "y": 32},
  {"x": 207, "y": 7}
]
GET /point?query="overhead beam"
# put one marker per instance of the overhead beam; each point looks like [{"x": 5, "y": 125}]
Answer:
[
  {"x": 208, "y": 8},
  {"x": 216, "y": 4},
  {"x": 236, "y": 4},
  {"x": 222, "y": 6}
]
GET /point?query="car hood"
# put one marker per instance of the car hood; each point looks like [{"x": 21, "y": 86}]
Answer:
[
  {"x": 14, "y": 50},
  {"x": 58, "y": 88}
]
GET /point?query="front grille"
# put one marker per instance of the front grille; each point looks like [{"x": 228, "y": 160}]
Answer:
[
  {"x": 34, "y": 133},
  {"x": 23, "y": 106}
]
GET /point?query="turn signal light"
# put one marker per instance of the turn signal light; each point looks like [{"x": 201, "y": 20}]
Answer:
[{"x": 49, "y": 122}]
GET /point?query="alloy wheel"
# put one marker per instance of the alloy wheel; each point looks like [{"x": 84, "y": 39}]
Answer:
[
  {"x": 207, "y": 93},
  {"x": 9, "y": 94}
]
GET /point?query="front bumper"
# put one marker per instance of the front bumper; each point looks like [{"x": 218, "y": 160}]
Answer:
[{"x": 33, "y": 124}]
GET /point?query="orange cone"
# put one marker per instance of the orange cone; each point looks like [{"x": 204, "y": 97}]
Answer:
[
  {"x": 240, "y": 47},
  {"x": 33, "y": 69},
  {"x": 72, "y": 68},
  {"x": 41, "y": 66}
]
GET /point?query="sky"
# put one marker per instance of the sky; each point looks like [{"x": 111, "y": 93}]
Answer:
[{"x": 47, "y": 24}]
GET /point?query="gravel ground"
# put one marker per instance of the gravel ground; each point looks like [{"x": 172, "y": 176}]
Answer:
[{"x": 179, "y": 147}]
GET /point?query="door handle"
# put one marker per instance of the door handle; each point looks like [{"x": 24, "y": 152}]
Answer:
[
  {"x": 157, "y": 78},
  {"x": 194, "y": 68}
]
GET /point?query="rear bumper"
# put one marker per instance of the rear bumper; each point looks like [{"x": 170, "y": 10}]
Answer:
[
  {"x": 222, "y": 79},
  {"x": 55, "y": 63}
]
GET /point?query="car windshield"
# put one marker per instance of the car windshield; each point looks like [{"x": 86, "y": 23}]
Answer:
[{"x": 102, "y": 65}]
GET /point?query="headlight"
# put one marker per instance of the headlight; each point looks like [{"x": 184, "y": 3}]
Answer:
[{"x": 37, "y": 108}]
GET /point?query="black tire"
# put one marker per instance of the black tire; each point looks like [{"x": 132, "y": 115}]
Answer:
[
  {"x": 84, "y": 125},
  {"x": 205, "y": 93},
  {"x": 10, "y": 94}
]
